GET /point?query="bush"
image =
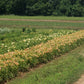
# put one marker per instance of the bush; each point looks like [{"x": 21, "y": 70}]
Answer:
[
  {"x": 29, "y": 30},
  {"x": 24, "y": 29},
  {"x": 33, "y": 29}
]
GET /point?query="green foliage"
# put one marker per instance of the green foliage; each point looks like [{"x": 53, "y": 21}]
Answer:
[
  {"x": 29, "y": 30},
  {"x": 33, "y": 29},
  {"x": 24, "y": 29},
  {"x": 42, "y": 7},
  {"x": 17, "y": 40},
  {"x": 27, "y": 61},
  {"x": 65, "y": 70}
]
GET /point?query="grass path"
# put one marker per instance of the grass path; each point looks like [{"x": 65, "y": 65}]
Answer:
[
  {"x": 63, "y": 70},
  {"x": 43, "y": 17}
]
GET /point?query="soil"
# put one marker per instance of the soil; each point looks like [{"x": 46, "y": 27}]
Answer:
[{"x": 81, "y": 80}]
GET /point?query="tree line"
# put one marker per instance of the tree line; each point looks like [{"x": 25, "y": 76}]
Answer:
[{"x": 42, "y": 7}]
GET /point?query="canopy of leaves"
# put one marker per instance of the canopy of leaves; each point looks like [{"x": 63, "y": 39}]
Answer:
[{"x": 42, "y": 7}]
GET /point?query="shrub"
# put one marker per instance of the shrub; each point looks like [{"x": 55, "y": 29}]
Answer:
[
  {"x": 29, "y": 30},
  {"x": 33, "y": 29},
  {"x": 24, "y": 29}
]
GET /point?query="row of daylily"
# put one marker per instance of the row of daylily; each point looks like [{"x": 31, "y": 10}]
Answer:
[
  {"x": 28, "y": 42},
  {"x": 13, "y": 62}
]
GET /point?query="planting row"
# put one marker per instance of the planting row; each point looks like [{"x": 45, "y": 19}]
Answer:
[
  {"x": 13, "y": 62},
  {"x": 20, "y": 41}
]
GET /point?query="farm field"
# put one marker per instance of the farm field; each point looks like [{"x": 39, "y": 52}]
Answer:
[
  {"x": 25, "y": 44},
  {"x": 63, "y": 70},
  {"x": 17, "y": 40},
  {"x": 41, "y": 22},
  {"x": 34, "y": 24}
]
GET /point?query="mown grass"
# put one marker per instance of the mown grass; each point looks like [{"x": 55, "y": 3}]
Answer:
[
  {"x": 63, "y": 70},
  {"x": 43, "y": 17}
]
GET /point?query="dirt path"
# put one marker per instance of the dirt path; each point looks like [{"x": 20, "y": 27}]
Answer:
[
  {"x": 35, "y": 20},
  {"x": 80, "y": 81}
]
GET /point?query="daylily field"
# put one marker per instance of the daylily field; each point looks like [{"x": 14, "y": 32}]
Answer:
[
  {"x": 19, "y": 51},
  {"x": 27, "y": 43}
]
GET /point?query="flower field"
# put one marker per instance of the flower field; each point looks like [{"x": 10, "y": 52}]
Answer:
[
  {"x": 12, "y": 63},
  {"x": 18, "y": 40}
]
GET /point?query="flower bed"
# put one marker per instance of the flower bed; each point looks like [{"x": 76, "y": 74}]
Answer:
[
  {"x": 13, "y": 62},
  {"x": 32, "y": 39}
]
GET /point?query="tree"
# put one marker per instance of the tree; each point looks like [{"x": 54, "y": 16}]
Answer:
[
  {"x": 19, "y": 7},
  {"x": 2, "y": 7},
  {"x": 42, "y": 7}
]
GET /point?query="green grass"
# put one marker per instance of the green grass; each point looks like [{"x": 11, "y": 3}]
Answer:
[
  {"x": 31, "y": 24},
  {"x": 63, "y": 70},
  {"x": 43, "y": 17},
  {"x": 38, "y": 24}
]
